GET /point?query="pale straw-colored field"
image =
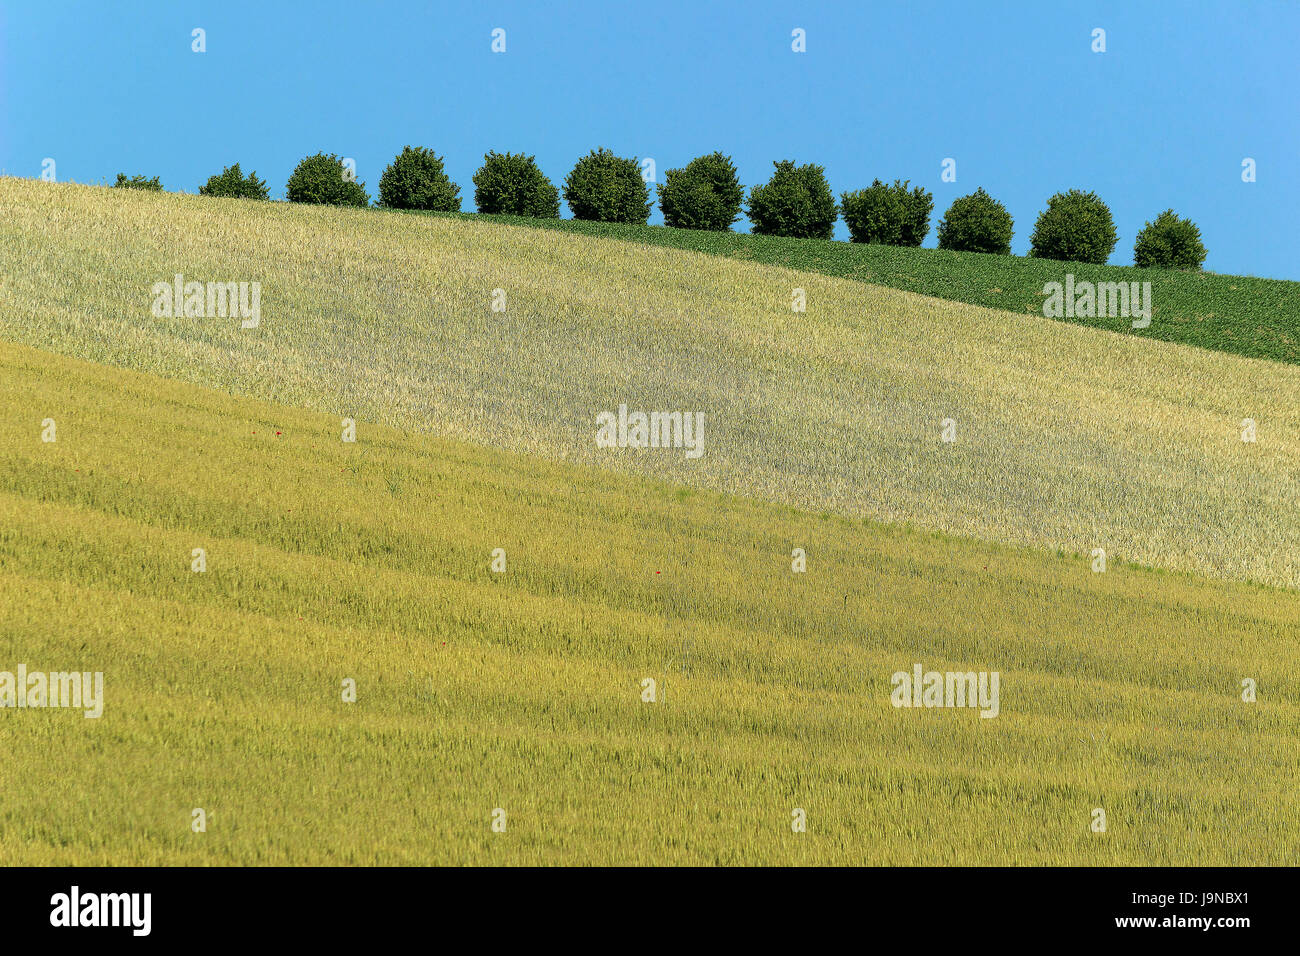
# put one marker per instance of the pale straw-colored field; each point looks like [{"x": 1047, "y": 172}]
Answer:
[{"x": 1066, "y": 438}]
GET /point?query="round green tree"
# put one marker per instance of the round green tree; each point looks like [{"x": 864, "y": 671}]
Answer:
[
  {"x": 1169, "y": 243},
  {"x": 511, "y": 184},
  {"x": 705, "y": 194},
  {"x": 323, "y": 179},
  {"x": 976, "y": 223},
  {"x": 888, "y": 214},
  {"x": 874, "y": 214},
  {"x": 233, "y": 184},
  {"x": 796, "y": 201},
  {"x": 1075, "y": 227},
  {"x": 416, "y": 179},
  {"x": 603, "y": 187}
]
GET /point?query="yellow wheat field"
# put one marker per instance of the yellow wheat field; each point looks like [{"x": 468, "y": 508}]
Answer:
[{"x": 521, "y": 691}]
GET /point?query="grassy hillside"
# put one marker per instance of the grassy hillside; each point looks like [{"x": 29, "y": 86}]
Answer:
[
  {"x": 521, "y": 690},
  {"x": 1067, "y": 438},
  {"x": 1241, "y": 315}
]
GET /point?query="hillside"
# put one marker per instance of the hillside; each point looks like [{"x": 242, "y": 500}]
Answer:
[
  {"x": 1240, "y": 315},
  {"x": 521, "y": 690},
  {"x": 1067, "y": 438}
]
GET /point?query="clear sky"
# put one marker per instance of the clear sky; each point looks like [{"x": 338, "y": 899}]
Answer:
[{"x": 1012, "y": 91}]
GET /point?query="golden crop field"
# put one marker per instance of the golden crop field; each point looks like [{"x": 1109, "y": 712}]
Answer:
[
  {"x": 1066, "y": 438},
  {"x": 521, "y": 691}
]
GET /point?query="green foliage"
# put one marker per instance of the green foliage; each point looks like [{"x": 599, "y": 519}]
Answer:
[
  {"x": 512, "y": 184},
  {"x": 916, "y": 220},
  {"x": 603, "y": 187},
  {"x": 416, "y": 179},
  {"x": 796, "y": 202},
  {"x": 138, "y": 182},
  {"x": 874, "y": 214},
  {"x": 1075, "y": 227},
  {"x": 706, "y": 194},
  {"x": 976, "y": 223},
  {"x": 322, "y": 179},
  {"x": 233, "y": 184},
  {"x": 888, "y": 214},
  {"x": 1169, "y": 243}
]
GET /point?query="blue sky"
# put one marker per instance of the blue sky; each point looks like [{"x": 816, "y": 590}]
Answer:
[{"x": 1012, "y": 91}]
